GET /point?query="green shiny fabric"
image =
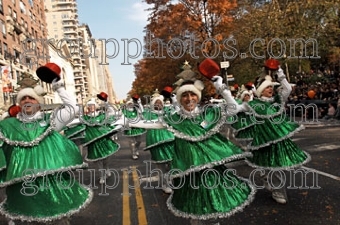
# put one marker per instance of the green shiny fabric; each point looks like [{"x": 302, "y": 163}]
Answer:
[
  {"x": 192, "y": 126},
  {"x": 160, "y": 142},
  {"x": 282, "y": 154},
  {"x": 13, "y": 129},
  {"x": 2, "y": 159},
  {"x": 53, "y": 154},
  {"x": 162, "y": 152},
  {"x": 133, "y": 131},
  {"x": 98, "y": 139},
  {"x": 75, "y": 132},
  {"x": 204, "y": 192},
  {"x": 243, "y": 126},
  {"x": 190, "y": 159},
  {"x": 191, "y": 154},
  {"x": 92, "y": 133},
  {"x": 271, "y": 146},
  {"x": 48, "y": 155},
  {"x": 101, "y": 148},
  {"x": 53, "y": 201}
]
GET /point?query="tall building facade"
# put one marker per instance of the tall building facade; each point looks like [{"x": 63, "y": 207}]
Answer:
[
  {"x": 64, "y": 27},
  {"x": 22, "y": 44}
]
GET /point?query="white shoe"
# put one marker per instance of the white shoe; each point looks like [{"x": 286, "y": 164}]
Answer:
[
  {"x": 135, "y": 156},
  {"x": 279, "y": 197},
  {"x": 266, "y": 183},
  {"x": 108, "y": 173},
  {"x": 102, "y": 180},
  {"x": 137, "y": 153},
  {"x": 149, "y": 179},
  {"x": 166, "y": 190}
]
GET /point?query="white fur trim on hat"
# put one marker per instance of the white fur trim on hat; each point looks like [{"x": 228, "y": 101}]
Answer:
[
  {"x": 91, "y": 102},
  {"x": 244, "y": 93},
  {"x": 154, "y": 99},
  {"x": 37, "y": 93},
  {"x": 196, "y": 88},
  {"x": 267, "y": 82},
  {"x": 129, "y": 101}
]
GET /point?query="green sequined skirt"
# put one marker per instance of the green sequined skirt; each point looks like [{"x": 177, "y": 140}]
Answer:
[
  {"x": 134, "y": 131},
  {"x": 45, "y": 198},
  {"x": 2, "y": 160},
  {"x": 101, "y": 149},
  {"x": 160, "y": 143},
  {"x": 282, "y": 155},
  {"x": 75, "y": 132},
  {"x": 210, "y": 193},
  {"x": 162, "y": 153}
]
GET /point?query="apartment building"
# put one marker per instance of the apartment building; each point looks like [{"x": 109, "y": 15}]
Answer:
[
  {"x": 64, "y": 27},
  {"x": 22, "y": 44}
]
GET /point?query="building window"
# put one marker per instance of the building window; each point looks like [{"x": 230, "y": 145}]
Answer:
[
  {"x": 5, "y": 49},
  {"x": 14, "y": 15},
  {"x": 22, "y": 7},
  {"x": 3, "y": 27},
  {"x": 1, "y": 7}
]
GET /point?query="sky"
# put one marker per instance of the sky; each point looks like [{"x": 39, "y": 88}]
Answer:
[{"x": 117, "y": 20}]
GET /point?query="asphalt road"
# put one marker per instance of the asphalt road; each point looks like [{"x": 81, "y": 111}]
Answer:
[{"x": 317, "y": 202}]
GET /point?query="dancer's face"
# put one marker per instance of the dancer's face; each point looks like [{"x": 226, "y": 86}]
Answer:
[
  {"x": 268, "y": 92},
  {"x": 29, "y": 105},
  {"x": 158, "y": 105},
  {"x": 246, "y": 98},
  {"x": 189, "y": 100}
]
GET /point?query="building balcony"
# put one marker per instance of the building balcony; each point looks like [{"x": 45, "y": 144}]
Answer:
[
  {"x": 69, "y": 19},
  {"x": 64, "y": 2},
  {"x": 70, "y": 31},
  {"x": 69, "y": 25}
]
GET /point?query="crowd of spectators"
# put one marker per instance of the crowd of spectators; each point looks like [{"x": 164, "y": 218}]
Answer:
[{"x": 320, "y": 88}]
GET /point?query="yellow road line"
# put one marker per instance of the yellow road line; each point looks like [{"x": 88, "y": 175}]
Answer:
[
  {"x": 139, "y": 198},
  {"x": 126, "y": 199}
]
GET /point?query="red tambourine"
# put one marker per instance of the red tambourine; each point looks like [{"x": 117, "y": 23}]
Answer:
[
  {"x": 166, "y": 92},
  {"x": 49, "y": 72},
  {"x": 208, "y": 68},
  {"x": 272, "y": 64}
]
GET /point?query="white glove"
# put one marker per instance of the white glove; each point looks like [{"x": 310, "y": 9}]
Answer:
[
  {"x": 280, "y": 74},
  {"x": 173, "y": 98},
  {"x": 217, "y": 82},
  {"x": 56, "y": 84},
  {"x": 139, "y": 101}
]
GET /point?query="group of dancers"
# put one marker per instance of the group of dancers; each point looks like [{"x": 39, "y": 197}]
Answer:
[{"x": 183, "y": 138}]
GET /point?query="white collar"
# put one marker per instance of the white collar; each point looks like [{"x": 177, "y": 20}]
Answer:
[
  {"x": 267, "y": 99},
  {"x": 193, "y": 113},
  {"x": 30, "y": 118}
]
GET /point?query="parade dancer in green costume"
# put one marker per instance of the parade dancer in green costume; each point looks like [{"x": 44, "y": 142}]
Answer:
[
  {"x": 203, "y": 187},
  {"x": 133, "y": 110},
  {"x": 160, "y": 142},
  {"x": 75, "y": 131},
  {"x": 39, "y": 160},
  {"x": 270, "y": 144},
  {"x": 98, "y": 132}
]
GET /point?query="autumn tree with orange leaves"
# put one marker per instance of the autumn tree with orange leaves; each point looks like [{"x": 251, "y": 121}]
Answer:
[
  {"x": 185, "y": 30},
  {"x": 180, "y": 31}
]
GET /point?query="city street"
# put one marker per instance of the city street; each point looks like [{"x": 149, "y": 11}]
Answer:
[{"x": 122, "y": 201}]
